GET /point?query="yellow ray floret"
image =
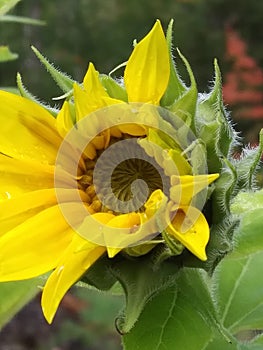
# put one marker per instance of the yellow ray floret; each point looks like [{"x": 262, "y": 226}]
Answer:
[{"x": 148, "y": 69}]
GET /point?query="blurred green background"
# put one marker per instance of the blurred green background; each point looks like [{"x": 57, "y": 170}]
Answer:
[{"x": 102, "y": 31}]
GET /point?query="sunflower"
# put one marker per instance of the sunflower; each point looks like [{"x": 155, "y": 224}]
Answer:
[{"x": 87, "y": 161}]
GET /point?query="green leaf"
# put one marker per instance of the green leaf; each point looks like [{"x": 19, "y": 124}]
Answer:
[
  {"x": 14, "y": 295},
  {"x": 7, "y": 5},
  {"x": 22, "y": 20},
  {"x": 175, "y": 88},
  {"x": 238, "y": 291},
  {"x": 141, "y": 280},
  {"x": 249, "y": 238},
  {"x": 178, "y": 319},
  {"x": 62, "y": 79},
  {"x": 258, "y": 340},
  {"x": 6, "y": 54}
]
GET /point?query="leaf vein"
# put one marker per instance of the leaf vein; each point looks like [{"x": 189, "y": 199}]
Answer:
[
  {"x": 233, "y": 292},
  {"x": 169, "y": 316}
]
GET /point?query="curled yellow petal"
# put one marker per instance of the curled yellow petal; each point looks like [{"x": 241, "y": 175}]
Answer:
[
  {"x": 129, "y": 220},
  {"x": 148, "y": 69},
  {"x": 184, "y": 188},
  {"x": 189, "y": 226}
]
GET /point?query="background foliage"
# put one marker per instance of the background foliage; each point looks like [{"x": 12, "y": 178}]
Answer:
[{"x": 103, "y": 31}]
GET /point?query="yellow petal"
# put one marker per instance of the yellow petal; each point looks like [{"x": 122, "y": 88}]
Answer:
[
  {"x": 184, "y": 188},
  {"x": 35, "y": 246},
  {"x": 27, "y": 130},
  {"x": 9, "y": 223},
  {"x": 196, "y": 237},
  {"x": 93, "y": 97},
  {"x": 78, "y": 257},
  {"x": 21, "y": 176},
  {"x": 92, "y": 84},
  {"x": 133, "y": 129},
  {"x": 98, "y": 142},
  {"x": 129, "y": 220},
  {"x": 148, "y": 69},
  {"x": 90, "y": 151},
  {"x": 35, "y": 199},
  {"x": 156, "y": 200},
  {"x": 64, "y": 120}
]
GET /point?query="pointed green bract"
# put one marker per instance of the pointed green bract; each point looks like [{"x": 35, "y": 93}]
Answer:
[
  {"x": 185, "y": 106},
  {"x": 224, "y": 191},
  {"x": 62, "y": 79},
  {"x": 213, "y": 126},
  {"x": 113, "y": 89},
  {"x": 175, "y": 88},
  {"x": 248, "y": 164},
  {"x": 25, "y": 93}
]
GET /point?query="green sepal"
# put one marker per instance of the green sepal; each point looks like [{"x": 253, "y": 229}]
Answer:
[
  {"x": 174, "y": 245},
  {"x": 141, "y": 280},
  {"x": 63, "y": 80},
  {"x": 220, "y": 242},
  {"x": 162, "y": 139},
  {"x": 141, "y": 249},
  {"x": 25, "y": 93},
  {"x": 175, "y": 88},
  {"x": 196, "y": 153},
  {"x": 248, "y": 164},
  {"x": 6, "y": 55},
  {"x": 114, "y": 89},
  {"x": 213, "y": 126},
  {"x": 225, "y": 189},
  {"x": 185, "y": 106}
]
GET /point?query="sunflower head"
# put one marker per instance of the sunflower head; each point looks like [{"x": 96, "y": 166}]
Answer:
[{"x": 131, "y": 177}]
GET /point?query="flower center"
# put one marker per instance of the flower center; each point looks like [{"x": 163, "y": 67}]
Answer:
[{"x": 122, "y": 177}]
